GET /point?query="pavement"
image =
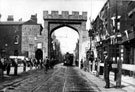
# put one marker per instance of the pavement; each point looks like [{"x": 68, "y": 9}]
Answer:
[{"x": 128, "y": 83}]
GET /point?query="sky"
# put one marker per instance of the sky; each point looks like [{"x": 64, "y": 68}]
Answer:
[
  {"x": 68, "y": 37},
  {"x": 25, "y": 8}
]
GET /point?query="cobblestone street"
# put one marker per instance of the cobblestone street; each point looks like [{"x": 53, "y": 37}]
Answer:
[{"x": 59, "y": 79}]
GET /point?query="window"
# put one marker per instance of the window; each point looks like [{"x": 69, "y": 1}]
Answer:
[{"x": 16, "y": 39}]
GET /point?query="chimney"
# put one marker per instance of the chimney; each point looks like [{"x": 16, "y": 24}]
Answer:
[
  {"x": 10, "y": 18},
  {"x": 34, "y": 18}
]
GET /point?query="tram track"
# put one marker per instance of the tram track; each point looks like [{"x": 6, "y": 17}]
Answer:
[
  {"x": 42, "y": 83},
  {"x": 12, "y": 85},
  {"x": 17, "y": 81}
]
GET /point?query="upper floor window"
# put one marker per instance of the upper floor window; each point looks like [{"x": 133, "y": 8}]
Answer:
[{"x": 16, "y": 39}]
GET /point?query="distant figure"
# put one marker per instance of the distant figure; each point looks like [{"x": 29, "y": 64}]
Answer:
[
  {"x": 41, "y": 63},
  {"x": 81, "y": 63},
  {"x": 8, "y": 65},
  {"x": 107, "y": 69},
  {"x": 85, "y": 65},
  {"x": 15, "y": 64},
  {"x": 91, "y": 60},
  {"x": 76, "y": 62},
  {"x": 46, "y": 64},
  {"x": 24, "y": 65},
  {"x": 2, "y": 67},
  {"x": 51, "y": 63}
]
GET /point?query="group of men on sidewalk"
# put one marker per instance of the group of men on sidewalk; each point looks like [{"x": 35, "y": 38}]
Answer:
[{"x": 6, "y": 64}]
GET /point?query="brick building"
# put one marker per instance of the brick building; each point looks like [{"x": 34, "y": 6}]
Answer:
[
  {"x": 128, "y": 38},
  {"x": 10, "y": 34},
  {"x": 114, "y": 32},
  {"x": 17, "y": 38}
]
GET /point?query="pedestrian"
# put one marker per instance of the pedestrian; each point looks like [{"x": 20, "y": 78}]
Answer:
[
  {"x": 81, "y": 63},
  {"x": 76, "y": 62},
  {"x": 85, "y": 65},
  {"x": 107, "y": 69},
  {"x": 46, "y": 65},
  {"x": 41, "y": 63},
  {"x": 2, "y": 66},
  {"x": 24, "y": 64},
  {"x": 30, "y": 62},
  {"x": 8, "y": 65},
  {"x": 15, "y": 64},
  {"x": 35, "y": 63}
]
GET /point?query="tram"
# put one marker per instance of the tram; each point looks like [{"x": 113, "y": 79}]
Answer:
[{"x": 68, "y": 59}]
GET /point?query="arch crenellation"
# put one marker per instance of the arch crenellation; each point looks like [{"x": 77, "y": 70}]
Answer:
[
  {"x": 64, "y": 15},
  {"x": 56, "y": 19}
]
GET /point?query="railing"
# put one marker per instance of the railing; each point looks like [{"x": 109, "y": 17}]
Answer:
[{"x": 129, "y": 67}]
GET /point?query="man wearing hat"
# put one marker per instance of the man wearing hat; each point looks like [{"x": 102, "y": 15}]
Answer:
[{"x": 107, "y": 68}]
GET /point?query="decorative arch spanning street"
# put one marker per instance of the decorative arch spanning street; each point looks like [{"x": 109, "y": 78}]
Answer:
[{"x": 55, "y": 20}]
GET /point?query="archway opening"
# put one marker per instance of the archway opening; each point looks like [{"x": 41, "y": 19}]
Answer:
[
  {"x": 63, "y": 40},
  {"x": 39, "y": 54}
]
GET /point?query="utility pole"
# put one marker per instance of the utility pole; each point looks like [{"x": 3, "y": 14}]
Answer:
[{"x": 119, "y": 62}]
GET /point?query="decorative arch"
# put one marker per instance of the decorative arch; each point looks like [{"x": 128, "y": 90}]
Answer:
[{"x": 55, "y": 20}]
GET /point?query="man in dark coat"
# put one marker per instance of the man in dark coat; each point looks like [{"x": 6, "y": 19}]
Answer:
[
  {"x": 8, "y": 65},
  {"x": 46, "y": 64},
  {"x": 15, "y": 64},
  {"x": 107, "y": 68},
  {"x": 2, "y": 67}
]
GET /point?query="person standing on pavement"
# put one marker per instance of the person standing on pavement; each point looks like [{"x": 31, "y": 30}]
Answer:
[
  {"x": 8, "y": 65},
  {"x": 2, "y": 68},
  {"x": 107, "y": 69},
  {"x": 15, "y": 66},
  {"x": 24, "y": 64},
  {"x": 91, "y": 60},
  {"x": 81, "y": 63},
  {"x": 46, "y": 64}
]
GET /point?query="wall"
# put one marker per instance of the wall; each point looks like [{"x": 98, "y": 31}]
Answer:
[
  {"x": 7, "y": 38},
  {"x": 30, "y": 34}
]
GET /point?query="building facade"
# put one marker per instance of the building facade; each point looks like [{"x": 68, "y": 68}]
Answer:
[
  {"x": 114, "y": 32},
  {"x": 31, "y": 32},
  {"x": 10, "y": 38},
  {"x": 128, "y": 38},
  {"x": 19, "y": 38}
]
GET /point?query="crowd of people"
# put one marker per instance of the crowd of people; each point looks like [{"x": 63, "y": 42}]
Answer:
[{"x": 7, "y": 63}]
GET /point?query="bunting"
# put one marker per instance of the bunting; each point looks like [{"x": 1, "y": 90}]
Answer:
[{"x": 104, "y": 22}]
